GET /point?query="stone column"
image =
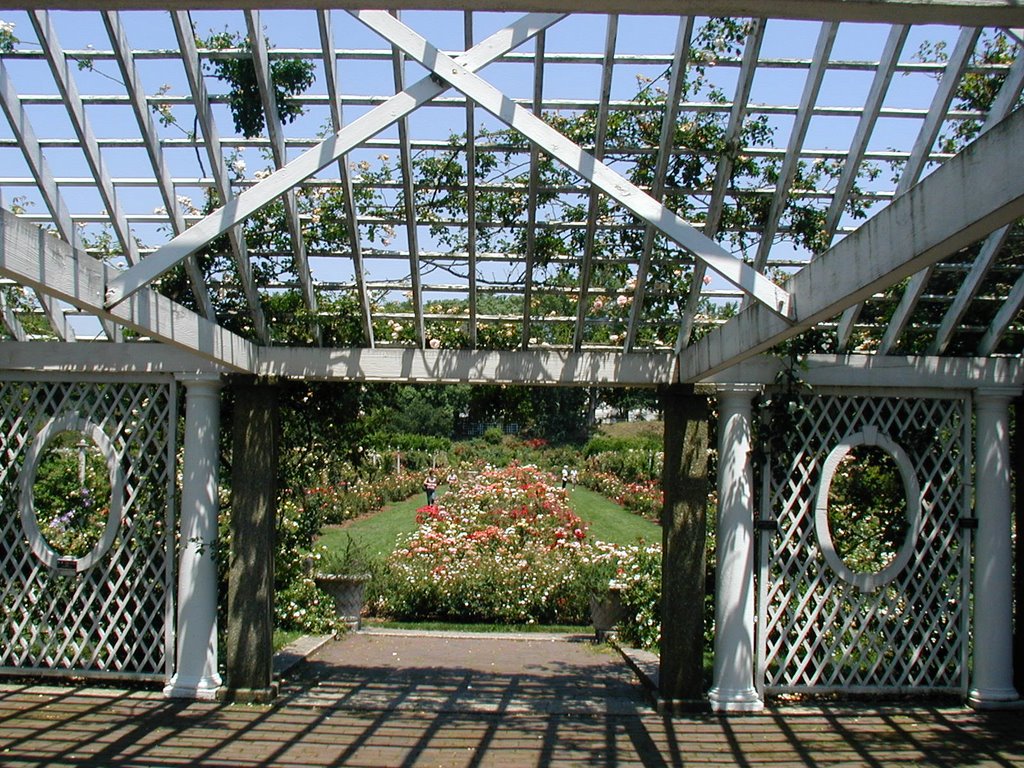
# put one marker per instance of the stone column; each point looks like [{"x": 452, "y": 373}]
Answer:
[
  {"x": 733, "y": 682},
  {"x": 195, "y": 673},
  {"x": 992, "y": 674},
  {"x": 684, "y": 530},
  {"x": 250, "y": 651}
]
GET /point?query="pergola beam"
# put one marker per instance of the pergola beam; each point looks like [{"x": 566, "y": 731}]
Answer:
[
  {"x": 723, "y": 172},
  {"x": 963, "y": 200},
  {"x": 45, "y": 263},
  {"x": 944, "y": 95},
  {"x": 275, "y": 130},
  {"x": 576, "y": 159},
  {"x": 236, "y": 210},
  {"x": 593, "y": 207},
  {"x": 409, "y": 204},
  {"x": 986, "y": 12},
  {"x": 351, "y": 214},
  {"x": 532, "y": 186},
  {"x": 214, "y": 152},
  {"x": 455, "y": 366},
  {"x": 666, "y": 142},
  {"x": 140, "y": 106},
  {"x": 65, "y": 81}
]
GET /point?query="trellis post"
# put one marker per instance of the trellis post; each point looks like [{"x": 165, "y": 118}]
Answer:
[
  {"x": 992, "y": 673},
  {"x": 195, "y": 674},
  {"x": 733, "y": 683},
  {"x": 253, "y": 512},
  {"x": 684, "y": 531}
]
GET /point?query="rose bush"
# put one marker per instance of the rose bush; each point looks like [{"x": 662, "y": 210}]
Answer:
[{"x": 508, "y": 549}]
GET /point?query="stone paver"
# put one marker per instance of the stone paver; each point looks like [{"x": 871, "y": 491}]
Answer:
[{"x": 376, "y": 700}]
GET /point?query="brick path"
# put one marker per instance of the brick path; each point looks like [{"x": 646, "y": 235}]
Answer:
[{"x": 372, "y": 700}]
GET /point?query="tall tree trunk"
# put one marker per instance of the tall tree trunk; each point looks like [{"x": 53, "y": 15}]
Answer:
[
  {"x": 684, "y": 531},
  {"x": 253, "y": 511}
]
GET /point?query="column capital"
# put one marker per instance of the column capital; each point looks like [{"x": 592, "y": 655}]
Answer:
[
  {"x": 739, "y": 390},
  {"x": 199, "y": 380},
  {"x": 995, "y": 395}
]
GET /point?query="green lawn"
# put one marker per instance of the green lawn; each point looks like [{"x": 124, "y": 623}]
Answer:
[
  {"x": 610, "y": 522},
  {"x": 378, "y": 533}
]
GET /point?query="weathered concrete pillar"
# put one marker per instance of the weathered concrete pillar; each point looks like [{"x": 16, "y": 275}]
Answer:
[
  {"x": 250, "y": 632},
  {"x": 195, "y": 674},
  {"x": 992, "y": 673},
  {"x": 684, "y": 530},
  {"x": 733, "y": 686}
]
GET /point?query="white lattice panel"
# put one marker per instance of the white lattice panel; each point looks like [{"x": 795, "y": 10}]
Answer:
[
  {"x": 114, "y": 618},
  {"x": 820, "y": 633}
]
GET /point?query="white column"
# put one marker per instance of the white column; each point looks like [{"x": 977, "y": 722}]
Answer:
[
  {"x": 733, "y": 684},
  {"x": 992, "y": 674},
  {"x": 195, "y": 673}
]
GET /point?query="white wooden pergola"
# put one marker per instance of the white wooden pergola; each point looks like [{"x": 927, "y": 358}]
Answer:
[{"x": 88, "y": 150}]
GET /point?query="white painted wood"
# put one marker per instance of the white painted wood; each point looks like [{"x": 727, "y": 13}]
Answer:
[
  {"x": 611, "y": 183},
  {"x": 733, "y": 676},
  {"x": 992, "y": 673},
  {"x": 891, "y": 372},
  {"x": 62, "y": 75},
  {"x": 351, "y": 222},
  {"x": 195, "y": 674},
  {"x": 733, "y": 130},
  {"x": 982, "y": 12},
  {"x": 586, "y": 263},
  {"x": 531, "y": 197},
  {"x": 87, "y": 358},
  {"x": 955, "y": 68},
  {"x": 43, "y": 262},
  {"x": 964, "y": 199},
  {"x": 470, "y": 366},
  {"x": 409, "y": 204},
  {"x": 315, "y": 159},
  {"x": 140, "y": 106},
  {"x": 215, "y": 154},
  {"x": 272, "y": 115},
  {"x": 812, "y": 86},
  {"x": 471, "y": 228},
  {"x": 1008, "y": 96},
  {"x": 666, "y": 141}
]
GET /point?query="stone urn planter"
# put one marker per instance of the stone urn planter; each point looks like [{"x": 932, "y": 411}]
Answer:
[
  {"x": 605, "y": 611},
  {"x": 347, "y": 591}
]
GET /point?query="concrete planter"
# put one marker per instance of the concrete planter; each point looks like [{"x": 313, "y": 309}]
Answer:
[
  {"x": 347, "y": 591},
  {"x": 605, "y": 612}
]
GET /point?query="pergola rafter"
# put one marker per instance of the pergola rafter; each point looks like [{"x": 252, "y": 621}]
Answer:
[
  {"x": 490, "y": 225},
  {"x": 218, "y": 170}
]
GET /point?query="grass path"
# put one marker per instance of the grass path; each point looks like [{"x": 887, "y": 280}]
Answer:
[{"x": 378, "y": 533}]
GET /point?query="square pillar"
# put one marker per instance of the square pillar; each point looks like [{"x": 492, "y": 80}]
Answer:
[
  {"x": 250, "y": 631},
  {"x": 684, "y": 532}
]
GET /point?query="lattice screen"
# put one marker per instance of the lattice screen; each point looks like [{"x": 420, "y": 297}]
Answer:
[
  {"x": 818, "y": 632},
  {"x": 113, "y": 618}
]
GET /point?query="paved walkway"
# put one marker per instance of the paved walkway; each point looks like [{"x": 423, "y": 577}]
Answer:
[{"x": 398, "y": 700}]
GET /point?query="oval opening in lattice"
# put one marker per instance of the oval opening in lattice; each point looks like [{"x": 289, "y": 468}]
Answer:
[
  {"x": 868, "y": 509},
  {"x": 71, "y": 490}
]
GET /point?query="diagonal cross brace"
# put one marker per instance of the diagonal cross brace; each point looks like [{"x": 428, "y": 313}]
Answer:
[
  {"x": 631, "y": 197},
  {"x": 127, "y": 282}
]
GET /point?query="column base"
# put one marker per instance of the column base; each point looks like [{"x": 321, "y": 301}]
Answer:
[
  {"x": 735, "y": 700},
  {"x": 198, "y": 688},
  {"x": 994, "y": 698}
]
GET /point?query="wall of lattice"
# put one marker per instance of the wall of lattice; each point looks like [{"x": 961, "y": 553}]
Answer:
[
  {"x": 107, "y": 613},
  {"x": 822, "y": 627}
]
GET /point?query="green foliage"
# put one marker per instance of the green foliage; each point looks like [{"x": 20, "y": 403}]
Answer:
[
  {"x": 867, "y": 510},
  {"x": 7, "y": 38},
  {"x": 290, "y": 78},
  {"x": 71, "y": 494}
]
